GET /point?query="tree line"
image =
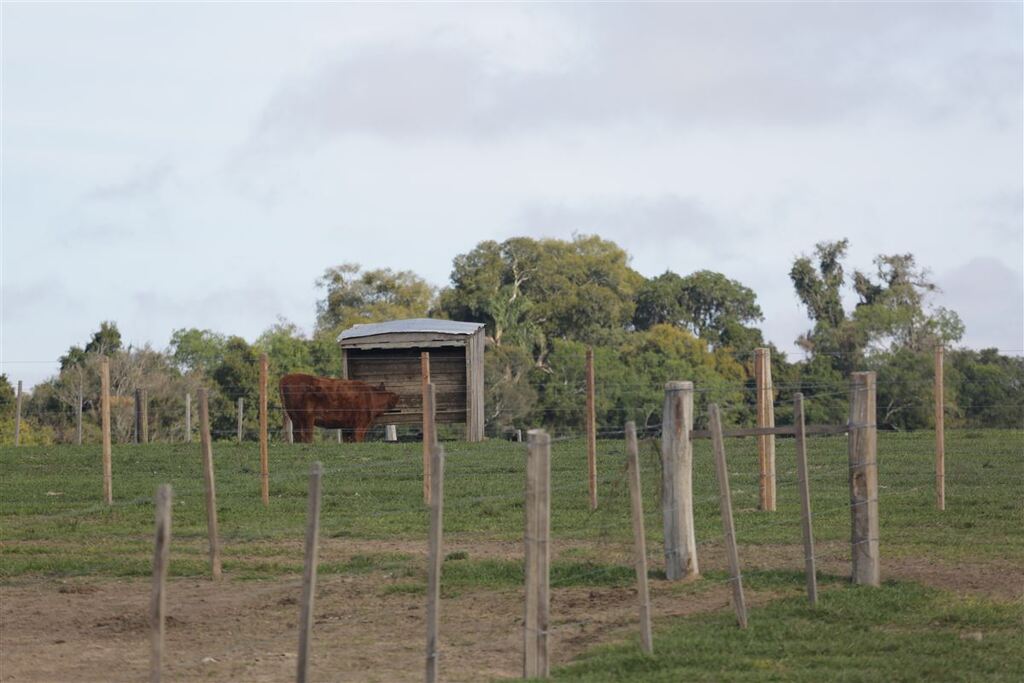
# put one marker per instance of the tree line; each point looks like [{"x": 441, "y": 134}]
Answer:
[{"x": 543, "y": 303}]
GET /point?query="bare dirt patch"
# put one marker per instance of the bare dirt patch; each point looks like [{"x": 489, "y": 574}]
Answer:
[{"x": 97, "y": 630}]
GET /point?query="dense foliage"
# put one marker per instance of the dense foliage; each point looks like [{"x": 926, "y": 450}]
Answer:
[{"x": 544, "y": 302}]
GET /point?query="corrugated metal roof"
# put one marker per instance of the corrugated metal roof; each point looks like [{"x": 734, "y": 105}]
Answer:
[{"x": 410, "y": 325}]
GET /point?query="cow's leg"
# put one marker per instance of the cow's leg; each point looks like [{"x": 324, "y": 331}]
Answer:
[
  {"x": 306, "y": 427},
  {"x": 361, "y": 432}
]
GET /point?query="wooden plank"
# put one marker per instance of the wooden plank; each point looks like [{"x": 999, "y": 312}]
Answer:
[
  {"x": 677, "y": 482},
  {"x": 138, "y": 416},
  {"x": 241, "y": 413},
  {"x": 591, "y": 429},
  {"x": 639, "y": 539},
  {"x": 264, "y": 436},
  {"x": 188, "y": 418},
  {"x": 940, "y": 432},
  {"x": 158, "y": 595},
  {"x": 863, "y": 452},
  {"x": 402, "y": 340},
  {"x": 818, "y": 430},
  {"x": 78, "y": 415},
  {"x": 728, "y": 528},
  {"x": 803, "y": 483},
  {"x": 206, "y": 447},
  {"x": 316, "y": 471},
  {"x": 435, "y": 558},
  {"x": 108, "y": 478},
  {"x": 430, "y": 423}
]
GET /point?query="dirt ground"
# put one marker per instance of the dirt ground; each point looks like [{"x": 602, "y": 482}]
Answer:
[{"x": 98, "y": 630}]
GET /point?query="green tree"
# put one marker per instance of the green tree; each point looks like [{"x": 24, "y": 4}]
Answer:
[
  {"x": 987, "y": 388},
  {"x": 104, "y": 342},
  {"x": 353, "y": 296},
  {"x": 529, "y": 292},
  {"x": 708, "y": 304},
  {"x": 195, "y": 350}
]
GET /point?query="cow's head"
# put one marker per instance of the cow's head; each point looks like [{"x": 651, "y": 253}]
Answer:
[{"x": 383, "y": 399}]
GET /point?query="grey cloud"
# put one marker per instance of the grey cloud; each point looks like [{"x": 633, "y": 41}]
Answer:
[
  {"x": 673, "y": 65},
  {"x": 989, "y": 297},
  {"x": 638, "y": 222},
  {"x": 142, "y": 182}
]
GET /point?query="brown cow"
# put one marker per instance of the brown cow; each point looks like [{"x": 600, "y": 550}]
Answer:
[{"x": 346, "y": 404}]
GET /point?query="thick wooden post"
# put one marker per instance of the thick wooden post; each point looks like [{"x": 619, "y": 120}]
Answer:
[
  {"x": 639, "y": 539},
  {"x": 17, "y": 416},
  {"x": 803, "y": 482},
  {"x": 309, "y": 572},
  {"x": 591, "y": 430},
  {"x": 677, "y": 481},
  {"x": 435, "y": 558},
  {"x": 863, "y": 455},
  {"x": 141, "y": 416},
  {"x": 429, "y": 413},
  {"x": 538, "y": 554},
  {"x": 78, "y": 415},
  {"x": 241, "y": 412},
  {"x": 206, "y": 446},
  {"x": 108, "y": 478},
  {"x": 765, "y": 418},
  {"x": 188, "y": 418},
  {"x": 158, "y": 598},
  {"x": 264, "y": 456},
  {"x": 940, "y": 433},
  {"x": 728, "y": 528},
  {"x": 428, "y": 423}
]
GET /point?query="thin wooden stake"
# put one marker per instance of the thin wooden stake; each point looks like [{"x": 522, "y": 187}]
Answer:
[
  {"x": 141, "y": 417},
  {"x": 429, "y": 417},
  {"x": 591, "y": 430},
  {"x": 428, "y": 423},
  {"x": 241, "y": 412},
  {"x": 206, "y": 446},
  {"x": 435, "y": 558},
  {"x": 108, "y": 478},
  {"x": 188, "y": 418},
  {"x": 940, "y": 433},
  {"x": 289, "y": 429},
  {"x": 538, "y": 558},
  {"x": 728, "y": 528},
  {"x": 316, "y": 471},
  {"x": 158, "y": 597},
  {"x": 677, "y": 482},
  {"x": 264, "y": 456},
  {"x": 78, "y": 414},
  {"x": 765, "y": 418},
  {"x": 803, "y": 481},
  {"x": 863, "y": 455},
  {"x": 639, "y": 539},
  {"x": 17, "y": 416}
]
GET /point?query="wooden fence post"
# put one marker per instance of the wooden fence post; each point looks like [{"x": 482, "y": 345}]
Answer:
[
  {"x": 435, "y": 558},
  {"x": 538, "y": 554},
  {"x": 158, "y": 598},
  {"x": 188, "y": 418},
  {"x": 309, "y": 572},
  {"x": 677, "y": 481},
  {"x": 765, "y": 418},
  {"x": 428, "y": 423},
  {"x": 78, "y": 414},
  {"x": 863, "y": 455},
  {"x": 639, "y": 539},
  {"x": 591, "y": 430},
  {"x": 337, "y": 434},
  {"x": 108, "y": 478},
  {"x": 289, "y": 429},
  {"x": 206, "y": 446},
  {"x": 241, "y": 412},
  {"x": 429, "y": 416},
  {"x": 17, "y": 416},
  {"x": 391, "y": 433},
  {"x": 728, "y": 528},
  {"x": 803, "y": 481},
  {"x": 264, "y": 456},
  {"x": 141, "y": 416},
  {"x": 940, "y": 433}
]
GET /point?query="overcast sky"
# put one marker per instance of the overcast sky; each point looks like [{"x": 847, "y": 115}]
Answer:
[{"x": 200, "y": 165}]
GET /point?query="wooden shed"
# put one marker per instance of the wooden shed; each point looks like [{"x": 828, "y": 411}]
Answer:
[{"x": 389, "y": 352}]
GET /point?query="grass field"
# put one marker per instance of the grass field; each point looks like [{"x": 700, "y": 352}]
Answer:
[{"x": 53, "y": 527}]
